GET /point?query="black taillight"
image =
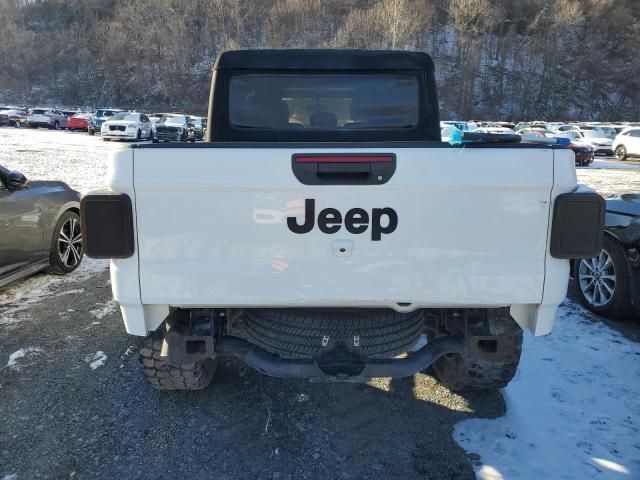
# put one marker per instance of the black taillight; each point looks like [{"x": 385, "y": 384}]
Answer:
[
  {"x": 107, "y": 225},
  {"x": 578, "y": 225}
]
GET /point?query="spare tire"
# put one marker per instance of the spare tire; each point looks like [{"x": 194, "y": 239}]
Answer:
[{"x": 304, "y": 333}]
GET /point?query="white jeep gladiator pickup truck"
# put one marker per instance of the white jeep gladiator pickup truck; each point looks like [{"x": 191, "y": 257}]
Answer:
[{"x": 323, "y": 229}]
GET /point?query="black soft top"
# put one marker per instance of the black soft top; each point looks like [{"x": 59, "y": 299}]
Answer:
[{"x": 324, "y": 59}]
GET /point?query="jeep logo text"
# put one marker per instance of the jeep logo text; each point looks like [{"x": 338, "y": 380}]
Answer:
[{"x": 356, "y": 220}]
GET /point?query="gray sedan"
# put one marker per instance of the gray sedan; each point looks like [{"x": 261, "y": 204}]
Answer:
[
  {"x": 609, "y": 284},
  {"x": 39, "y": 227}
]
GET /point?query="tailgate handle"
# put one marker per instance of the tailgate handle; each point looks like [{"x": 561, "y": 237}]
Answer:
[{"x": 343, "y": 168}]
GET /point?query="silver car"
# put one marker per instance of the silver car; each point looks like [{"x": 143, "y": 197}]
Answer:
[
  {"x": 47, "y": 117},
  {"x": 39, "y": 227}
]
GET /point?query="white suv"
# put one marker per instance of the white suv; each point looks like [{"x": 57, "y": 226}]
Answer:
[
  {"x": 627, "y": 143},
  {"x": 127, "y": 126}
]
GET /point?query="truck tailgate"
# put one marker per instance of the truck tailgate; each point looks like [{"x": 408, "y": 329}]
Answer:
[{"x": 471, "y": 229}]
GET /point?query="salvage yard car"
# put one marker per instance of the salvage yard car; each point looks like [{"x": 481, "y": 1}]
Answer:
[
  {"x": 174, "y": 128},
  {"x": 378, "y": 232},
  {"x": 627, "y": 143},
  {"x": 47, "y": 117},
  {"x": 200, "y": 126},
  {"x": 79, "y": 121},
  {"x": 127, "y": 126},
  {"x": 609, "y": 283},
  {"x": 99, "y": 117},
  {"x": 583, "y": 153},
  {"x": 39, "y": 225},
  {"x": 602, "y": 145},
  {"x": 16, "y": 117}
]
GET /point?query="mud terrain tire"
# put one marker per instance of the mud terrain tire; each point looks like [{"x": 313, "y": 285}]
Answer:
[
  {"x": 162, "y": 376},
  {"x": 461, "y": 372}
]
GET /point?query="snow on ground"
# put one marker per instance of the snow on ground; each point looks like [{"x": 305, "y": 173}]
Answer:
[
  {"x": 17, "y": 296},
  {"x": 22, "y": 353},
  {"x": 98, "y": 360},
  {"x": 76, "y": 158},
  {"x": 573, "y": 410},
  {"x": 610, "y": 176},
  {"x": 105, "y": 309}
]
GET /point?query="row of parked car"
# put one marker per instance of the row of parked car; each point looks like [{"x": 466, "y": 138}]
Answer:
[
  {"x": 111, "y": 123},
  {"x": 587, "y": 140}
]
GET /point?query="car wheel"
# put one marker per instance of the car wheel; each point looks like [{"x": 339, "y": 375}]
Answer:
[
  {"x": 56, "y": 126},
  {"x": 139, "y": 136},
  {"x": 155, "y": 140},
  {"x": 461, "y": 371},
  {"x": 66, "y": 246},
  {"x": 164, "y": 376},
  {"x": 621, "y": 152},
  {"x": 18, "y": 124},
  {"x": 91, "y": 132},
  {"x": 603, "y": 281}
]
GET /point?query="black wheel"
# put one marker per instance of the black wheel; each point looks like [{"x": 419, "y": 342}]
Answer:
[
  {"x": 461, "y": 372},
  {"x": 183, "y": 137},
  {"x": 161, "y": 375},
  {"x": 621, "y": 152},
  {"x": 56, "y": 125},
  {"x": 18, "y": 124},
  {"x": 91, "y": 131},
  {"x": 66, "y": 246},
  {"x": 304, "y": 333},
  {"x": 106, "y": 139},
  {"x": 603, "y": 282},
  {"x": 155, "y": 140}
]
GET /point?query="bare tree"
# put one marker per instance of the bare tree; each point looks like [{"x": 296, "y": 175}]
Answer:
[{"x": 520, "y": 59}]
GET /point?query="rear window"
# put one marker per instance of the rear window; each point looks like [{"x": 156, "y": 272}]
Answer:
[
  {"x": 177, "y": 119},
  {"x": 343, "y": 102},
  {"x": 38, "y": 111},
  {"x": 106, "y": 113}
]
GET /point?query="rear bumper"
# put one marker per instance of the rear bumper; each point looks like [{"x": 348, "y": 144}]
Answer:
[
  {"x": 584, "y": 159},
  {"x": 95, "y": 125},
  {"x": 355, "y": 370},
  {"x": 167, "y": 136},
  {"x": 125, "y": 135},
  {"x": 607, "y": 151},
  {"x": 40, "y": 124}
]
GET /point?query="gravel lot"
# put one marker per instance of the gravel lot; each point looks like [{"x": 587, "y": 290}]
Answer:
[{"x": 74, "y": 404}]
